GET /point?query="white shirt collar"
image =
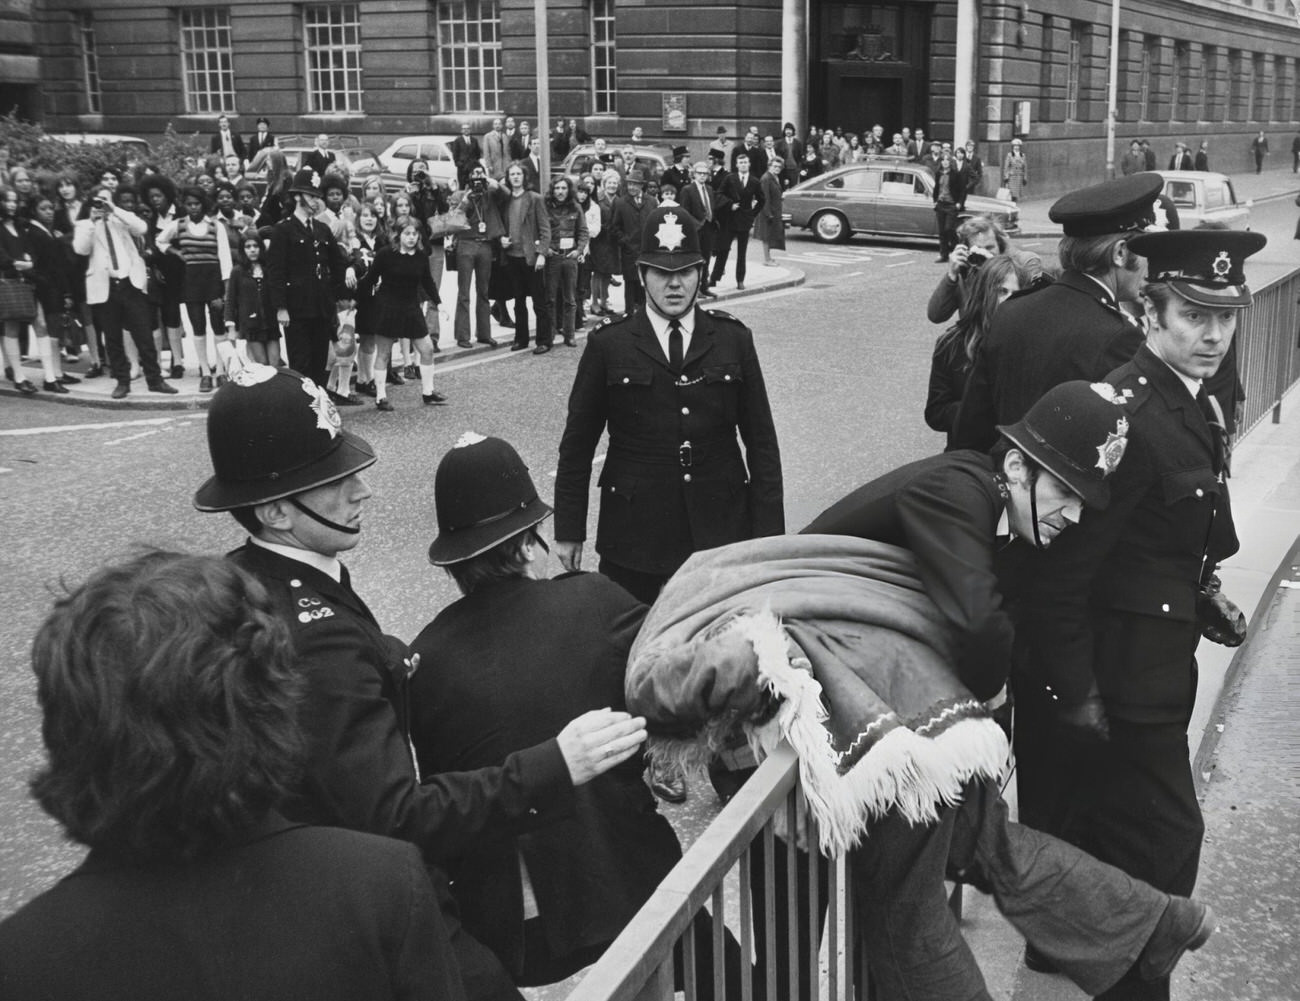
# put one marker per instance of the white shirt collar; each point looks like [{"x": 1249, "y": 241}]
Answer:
[
  {"x": 660, "y": 326},
  {"x": 1193, "y": 385},
  {"x": 1110, "y": 296},
  {"x": 328, "y": 565},
  {"x": 1004, "y": 525}
]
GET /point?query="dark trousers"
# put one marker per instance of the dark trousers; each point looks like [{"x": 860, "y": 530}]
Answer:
[
  {"x": 644, "y": 587},
  {"x": 1136, "y": 808},
  {"x": 708, "y": 241},
  {"x": 308, "y": 340},
  {"x": 126, "y": 309},
  {"x": 633, "y": 292},
  {"x": 473, "y": 264},
  {"x": 561, "y": 295},
  {"x": 725, "y": 239},
  {"x": 946, "y": 216},
  {"x": 525, "y": 284}
]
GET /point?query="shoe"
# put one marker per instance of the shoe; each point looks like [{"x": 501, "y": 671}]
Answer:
[
  {"x": 436, "y": 348},
  {"x": 1036, "y": 961},
  {"x": 205, "y": 384},
  {"x": 395, "y": 377},
  {"x": 570, "y": 342},
  {"x": 55, "y": 387},
  {"x": 740, "y": 286},
  {"x": 616, "y": 282},
  {"x": 507, "y": 322},
  {"x": 9, "y": 373},
  {"x": 177, "y": 372},
  {"x": 221, "y": 381},
  {"x": 367, "y": 388},
  {"x": 411, "y": 371},
  {"x": 669, "y": 784},
  {"x": 68, "y": 380},
  {"x": 708, "y": 293},
  {"x": 486, "y": 343},
  {"x": 384, "y": 405},
  {"x": 69, "y": 359},
  {"x": 340, "y": 400},
  {"x": 464, "y": 344},
  {"x": 433, "y": 399},
  {"x": 541, "y": 349},
  {"x": 1185, "y": 926},
  {"x": 158, "y": 386},
  {"x": 120, "y": 390},
  {"x": 519, "y": 347},
  {"x": 94, "y": 372}
]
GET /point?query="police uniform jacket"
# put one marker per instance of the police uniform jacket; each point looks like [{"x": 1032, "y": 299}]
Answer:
[
  {"x": 1116, "y": 601},
  {"x": 304, "y": 265},
  {"x": 503, "y": 668},
  {"x": 946, "y": 509},
  {"x": 1070, "y": 329},
  {"x": 662, "y": 499},
  {"x": 359, "y": 771}
]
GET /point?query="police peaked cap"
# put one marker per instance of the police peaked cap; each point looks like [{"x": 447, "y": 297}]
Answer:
[
  {"x": 483, "y": 495},
  {"x": 670, "y": 240},
  {"x": 272, "y": 434},
  {"x": 1124, "y": 205},
  {"x": 1204, "y": 266},
  {"x": 1077, "y": 432}
]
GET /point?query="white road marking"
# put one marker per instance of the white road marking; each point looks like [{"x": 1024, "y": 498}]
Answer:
[
  {"x": 144, "y": 421},
  {"x": 595, "y": 462},
  {"x": 853, "y": 274},
  {"x": 5, "y": 469},
  {"x": 133, "y": 437},
  {"x": 901, "y": 264}
]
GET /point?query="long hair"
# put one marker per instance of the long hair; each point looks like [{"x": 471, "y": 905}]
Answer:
[
  {"x": 980, "y": 297},
  {"x": 169, "y": 699}
]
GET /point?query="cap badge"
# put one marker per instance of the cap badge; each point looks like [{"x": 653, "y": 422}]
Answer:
[
  {"x": 1221, "y": 266},
  {"x": 327, "y": 418},
  {"x": 1110, "y": 453},
  {"x": 252, "y": 374},
  {"x": 670, "y": 233},
  {"x": 1112, "y": 395},
  {"x": 467, "y": 439}
]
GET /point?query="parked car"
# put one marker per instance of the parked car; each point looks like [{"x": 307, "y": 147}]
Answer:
[
  {"x": 887, "y": 197},
  {"x": 140, "y": 146},
  {"x": 435, "y": 149},
  {"x": 653, "y": 160},
  {"x": 1203, "y": 196},
  {"x": 360, "y": 161}
]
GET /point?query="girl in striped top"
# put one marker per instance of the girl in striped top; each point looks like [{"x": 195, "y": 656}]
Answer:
[{"x": 203, "y": 243}]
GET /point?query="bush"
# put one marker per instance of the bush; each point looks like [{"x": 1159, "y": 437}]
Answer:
[{"x": 47, "y": 158}]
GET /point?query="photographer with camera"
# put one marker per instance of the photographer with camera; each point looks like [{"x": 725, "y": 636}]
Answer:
[{"x": 979, "y": 238}]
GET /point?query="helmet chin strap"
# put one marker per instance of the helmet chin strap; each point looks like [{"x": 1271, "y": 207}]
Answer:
[
  {"x": 322, "y": 520},
  {"x": 1033, "y": 506}
]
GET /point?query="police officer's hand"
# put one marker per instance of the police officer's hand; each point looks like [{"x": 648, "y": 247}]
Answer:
[
  {"x": 570, "y": 554},
  {"x": 282, "y": 317},
  {"x": 597, "y": 741},
  {"x": 1085, "y": 721}
]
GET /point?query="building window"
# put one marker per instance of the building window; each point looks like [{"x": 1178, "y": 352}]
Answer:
[
  {"x": 469, "y": 54},
  {"x": 1279, "y": 90},
  {"x": 1233, "y": 107},
  {"x": 1144, "y": 78},
  {"x": 1295, "y": 90},
  {"x": 1178, "y": 83},
  {"x": 604, "y": 71},
  {"x": 90, "y": 63},
  {"x": 1209, "y": 69},
  {"x": 1074, "y": 71},
  {"x": 207, "y": 71},
  {"x": 1258, "y": 94},
  {"x": 332, "y": 44}
]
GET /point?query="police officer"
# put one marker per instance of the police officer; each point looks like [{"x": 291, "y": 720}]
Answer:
[
  {"x": 674, "y": 384},
  {"x": 291, "y": 476},
  {"x": 304, "y": 267},
  {"x": 1115, "y": 614},
  {"x": 1071, "y": 329}
]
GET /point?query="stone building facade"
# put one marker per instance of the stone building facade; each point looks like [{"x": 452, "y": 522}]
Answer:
[{"x": 1187, "y": 69}]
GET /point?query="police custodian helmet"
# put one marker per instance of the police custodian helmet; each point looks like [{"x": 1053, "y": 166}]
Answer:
[
  {"x": 483, "y": 495},
  {"x": 670, "y": 240},
  {"x": 1077, "y": 432},
  {"x": 273, "y": 433}
]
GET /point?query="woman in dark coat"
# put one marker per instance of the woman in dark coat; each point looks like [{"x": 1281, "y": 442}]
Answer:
[
  {"x": 605, "y": 262},
  {"x": 249, "y": 314},
  {"x": 19, "y": 264},
  {"x": 949, "y": 199},
  {"x": 769, "y": 227}
]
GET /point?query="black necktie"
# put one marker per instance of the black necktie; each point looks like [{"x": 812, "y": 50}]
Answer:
[
  {"x": 1218, "y": 433},
  {"x": 112, "y": 249},
  {"x": 674, "y": 345}
]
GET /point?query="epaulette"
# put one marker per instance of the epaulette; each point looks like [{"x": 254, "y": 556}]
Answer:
[
  {"x": 722, "y": 314},
  {"x": 307, "y": 607},
  {"x": 607, "y": 321}
]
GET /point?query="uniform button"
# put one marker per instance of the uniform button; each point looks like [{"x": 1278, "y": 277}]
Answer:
[
  {"x": 1200, "y": 492},
  {"x": 686, "y": 411},
  {"x": 625, "y": 380},
  {"x": 1142, "y": 380},
  {"x": 532, "y": 811},
  {"x": 295, "y": 583},
  {"x": 726, "y": 378},
  {"x": 682, "y": 379},
  {"x": 686, "y": 478},
  {"x": 1164, "y": 608}
]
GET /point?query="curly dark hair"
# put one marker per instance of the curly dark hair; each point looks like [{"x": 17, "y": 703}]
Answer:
[{"x": 170, "y": 707}]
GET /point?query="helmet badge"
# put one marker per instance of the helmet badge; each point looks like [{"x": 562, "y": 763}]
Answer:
[
  {"x": 327, "y": 418},
  {"x": 670, "y": 233}
]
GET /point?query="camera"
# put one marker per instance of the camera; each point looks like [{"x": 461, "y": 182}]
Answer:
[{"x": 977, "y": 256}]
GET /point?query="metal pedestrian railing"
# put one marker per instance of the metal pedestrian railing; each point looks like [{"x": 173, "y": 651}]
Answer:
[
  {"x": 735, "y": 863},
  {"x": 1268, "y": 350}
]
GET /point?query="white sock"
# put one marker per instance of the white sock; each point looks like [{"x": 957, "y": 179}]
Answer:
[
  {"x": 365, "y": 366},
  {"x": 344, "y": 374},
  {"x": 426, "y": 378},
  {"x": 381, "y": 383},
  {"x": 49, "y": 358}
]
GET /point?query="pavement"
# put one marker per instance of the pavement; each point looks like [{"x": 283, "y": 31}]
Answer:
[{"x": 97, "y": 392}]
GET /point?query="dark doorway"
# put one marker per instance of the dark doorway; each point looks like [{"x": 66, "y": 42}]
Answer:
[{"x": 861, "y": 102}]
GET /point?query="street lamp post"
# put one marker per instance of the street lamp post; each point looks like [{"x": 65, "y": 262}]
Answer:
[
  {"x": 1112, "y": 97},
  {"x": 543, "y": 92}
]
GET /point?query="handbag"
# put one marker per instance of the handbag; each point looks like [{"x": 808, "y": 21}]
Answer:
[
  {"x": 17, "y": 301},
  {"x": 1004, "y": 194},
  {"x": 448, "y": 223}
]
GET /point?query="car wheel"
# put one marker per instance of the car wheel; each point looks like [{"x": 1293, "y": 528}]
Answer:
[{"x": 830, "y": 227}]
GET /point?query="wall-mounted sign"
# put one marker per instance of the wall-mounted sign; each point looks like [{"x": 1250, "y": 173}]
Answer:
[
  {"x": 1021, "y": 127},
  {"x": 674, "y": 112}
]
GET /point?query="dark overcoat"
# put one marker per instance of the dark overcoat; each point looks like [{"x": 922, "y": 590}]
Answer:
[
  {"x": 1070, "y": 329},
  {"x": 660, "y": 501},
  {"x": 506, "y": 667},
  {"x": 746, "y": 201}
]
